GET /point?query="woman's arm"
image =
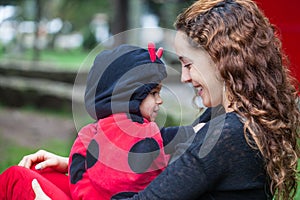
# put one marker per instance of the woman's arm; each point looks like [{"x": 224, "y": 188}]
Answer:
[{"x": 45, "y": 159}]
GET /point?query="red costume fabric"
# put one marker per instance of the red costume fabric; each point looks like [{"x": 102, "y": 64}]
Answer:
[
  {"x": 15, "y": 184},
  {"x": 115, "y": 157}
]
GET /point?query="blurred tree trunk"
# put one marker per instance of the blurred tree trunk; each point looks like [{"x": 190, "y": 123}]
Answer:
[
  {"x": 38, "y": 16},
  {"x": 120, "y": 20}
]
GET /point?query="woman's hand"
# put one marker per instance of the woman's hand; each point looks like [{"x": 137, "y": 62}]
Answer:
[
  {"x": 45, "y": 159},
  {"x": 39, "y": 193},
  {"x": 198, "y": 127}
]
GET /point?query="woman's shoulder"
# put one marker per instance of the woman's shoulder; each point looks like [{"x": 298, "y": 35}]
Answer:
[
  {"x": 229, "y": 126},
  {"x": 224, "y": 148},
  {"x": 223, "y": 122},
  {"x": 229, "y": 122},
  {"x": 221, "y": 134}
]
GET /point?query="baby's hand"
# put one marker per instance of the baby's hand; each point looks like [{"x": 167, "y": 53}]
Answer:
[{"x": 39, "y": 193}]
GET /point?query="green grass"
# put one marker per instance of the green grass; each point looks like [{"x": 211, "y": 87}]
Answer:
[
  {"x": 68, "y": 58},
  {"x": 12, "y": 152}
]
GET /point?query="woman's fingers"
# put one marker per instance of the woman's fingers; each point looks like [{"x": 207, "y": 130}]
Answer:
[
  {"x": 45, "y": 159},
  {"x": 29, "y": 160},
  {"x": 25, "y": 162},
  {"x": 50, "y": 162},
  {"x": 43, "y": 165}
]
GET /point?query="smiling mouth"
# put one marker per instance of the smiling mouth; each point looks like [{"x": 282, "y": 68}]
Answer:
[{"x": 199, "y": 89}]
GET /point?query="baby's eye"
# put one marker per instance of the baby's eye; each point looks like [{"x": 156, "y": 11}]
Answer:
[{"x": 154, "y": 93}]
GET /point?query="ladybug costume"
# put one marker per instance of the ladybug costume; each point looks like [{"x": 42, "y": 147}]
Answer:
[{"x": 122, "y": 152}]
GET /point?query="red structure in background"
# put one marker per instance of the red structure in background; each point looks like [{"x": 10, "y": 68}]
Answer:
[{"x": 286, "y": 16}]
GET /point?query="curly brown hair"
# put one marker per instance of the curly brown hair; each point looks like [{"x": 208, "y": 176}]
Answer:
[{"x": 247, "y": 52}]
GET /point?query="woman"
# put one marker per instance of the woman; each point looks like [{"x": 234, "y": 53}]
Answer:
[
  {"x": 246, "y": 52},
  {"x": 249, "y": 62},
  {"x": 231, "y": 54}
]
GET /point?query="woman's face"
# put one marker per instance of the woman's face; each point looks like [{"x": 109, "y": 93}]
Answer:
[{"x": 200, "y": 70}]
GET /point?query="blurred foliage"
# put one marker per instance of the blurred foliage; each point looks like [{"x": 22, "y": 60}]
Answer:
[
  {"x": 80, "y": 13},
  {"x": 89, "y": 39},
  {"x": 167, "y": 10},
  {"x": 77, "y": 17}
]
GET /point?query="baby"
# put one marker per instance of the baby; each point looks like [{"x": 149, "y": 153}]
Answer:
[{"x": 122, "y": 152}]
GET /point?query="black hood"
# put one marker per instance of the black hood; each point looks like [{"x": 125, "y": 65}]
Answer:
[{"x": 120, "y": 79}]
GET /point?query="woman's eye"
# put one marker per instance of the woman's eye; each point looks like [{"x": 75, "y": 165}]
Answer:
[{"x": 153, "y": 93}]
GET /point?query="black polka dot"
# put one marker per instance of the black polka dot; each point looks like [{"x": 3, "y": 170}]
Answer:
[
  {"x": 92, "y": 154},
  {"x": 77, "y": 168},
  {"x": 142, "y": 155}
]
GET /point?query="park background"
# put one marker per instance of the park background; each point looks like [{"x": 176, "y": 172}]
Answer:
[{"x": 47, "y": 47}]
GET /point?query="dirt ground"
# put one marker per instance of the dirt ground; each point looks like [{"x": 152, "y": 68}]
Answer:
[{"x": 29, "y": 128}]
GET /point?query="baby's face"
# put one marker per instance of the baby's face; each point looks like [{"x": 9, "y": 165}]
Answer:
[{"x": 150, "y": 105}]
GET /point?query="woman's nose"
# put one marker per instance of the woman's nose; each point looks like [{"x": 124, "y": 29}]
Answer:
[{"x": 185, "y": 75}]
